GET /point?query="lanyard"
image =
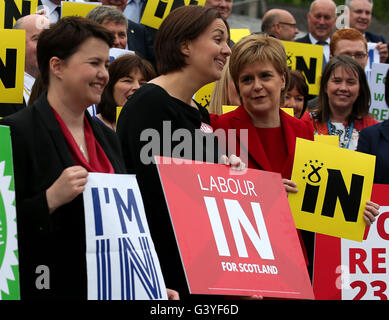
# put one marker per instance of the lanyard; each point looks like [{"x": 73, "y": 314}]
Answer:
[{"x": 350, "y": 131}]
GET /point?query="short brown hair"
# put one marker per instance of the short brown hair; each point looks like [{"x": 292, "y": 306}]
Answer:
[
  {"x": 345, "y": 34},
  {"x": 297, "y": 80},
  {"x": 259, "y": 47},
  {"x": 183, "y": 23},
  {"x": 119, "y": 68},
  {"x": 64, "y": 38}
]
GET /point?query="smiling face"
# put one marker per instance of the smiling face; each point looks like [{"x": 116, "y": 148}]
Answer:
[
  {"x": 125, "y": 87},
  {"x": 224, "y": 7},
  {"x": 207, "y": 54},
  {"x": 294, "y": 99},
  {"x": 360, "y": 15},
  {"x": 321, "y": 19},
  {"x": 260, "y": 88},
  {"x": 342, "y": 89},
  {"x": 85, "y": 74},
  {"x": 119, "y": 31}
]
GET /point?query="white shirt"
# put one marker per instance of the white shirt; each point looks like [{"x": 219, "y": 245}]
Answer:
[
  {"x": 133, "y": 10},
  {"x": 28, "y": 83},
  {"x": 50, "y": 10},
  {"x": 326, "y": 47}
]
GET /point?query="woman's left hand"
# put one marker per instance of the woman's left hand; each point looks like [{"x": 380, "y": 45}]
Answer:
[
  {"x": 233, "y": 161},
  {"x": 371, "y": 212}
]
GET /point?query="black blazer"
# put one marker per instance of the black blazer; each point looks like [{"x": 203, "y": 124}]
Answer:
[
  {"x": 7, "y": 109},
  {"x": 140, "y": 39},
  {"x": 57, "y": 240},
  {"x": 375, "y": 140},
  {"x": 373, "y": 37},
  {"x": 304, "y": 39}
]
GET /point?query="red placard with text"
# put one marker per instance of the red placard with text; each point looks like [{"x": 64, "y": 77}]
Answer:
[
  {"x": 353, "y": 270},
  {"x": 235, "y": 232}
]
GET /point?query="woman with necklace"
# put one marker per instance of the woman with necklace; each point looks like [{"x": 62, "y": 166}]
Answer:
[{"x": 344, "y": 102}]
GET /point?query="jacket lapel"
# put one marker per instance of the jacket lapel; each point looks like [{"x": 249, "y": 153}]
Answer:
[
  {"x": 384, "y": 130},
  {"x": 48, "y": 118},
  {"x": 242, "y": 121}
]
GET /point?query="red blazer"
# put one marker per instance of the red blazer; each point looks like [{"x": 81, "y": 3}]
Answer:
[{"x": 257, "y": 158}]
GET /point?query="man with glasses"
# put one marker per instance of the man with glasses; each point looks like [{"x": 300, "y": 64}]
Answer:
[
  {"x": 350, "y": 42},
  {"x": 279, "y": 24}
]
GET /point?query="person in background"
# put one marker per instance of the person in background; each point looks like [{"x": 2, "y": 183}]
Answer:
[
  {"x": 297, "y": 95},
  {"x": 350, "y": 42},
  {"x": 139, "y": 38},
  {"x": 224, "y": 7},
  {"x": 224, "y": 93},
  {"x": 375, "y": 140},
  {"x": 126, "y": 75},
  {"x": 321, "y": 24},
  {"x": 34, "y": 24},
  {"x": 191, "y": 48},
  {"x": 360, "y": 14},
  {"x": 344, "y": 102},
  {"x": 280, "y": 24}
]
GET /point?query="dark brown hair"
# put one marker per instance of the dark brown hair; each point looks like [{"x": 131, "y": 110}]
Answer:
[
  {"x": 119, "y": 68},
  {"x": 64, "y": 38},
  {"x": 182, "y": 24},
  {"x": 297, "y": 80},
  {"x": 361, "y": 105}
]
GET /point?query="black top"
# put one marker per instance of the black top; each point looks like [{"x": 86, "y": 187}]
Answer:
[
  {"x": 152, "y": 108},
  {"x": 57, "y": 240}
]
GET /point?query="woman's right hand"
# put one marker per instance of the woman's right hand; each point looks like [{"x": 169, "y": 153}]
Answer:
[{"x": 69, "y": 185}]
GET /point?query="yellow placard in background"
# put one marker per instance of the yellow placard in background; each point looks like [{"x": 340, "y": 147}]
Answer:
[
  {"x": 334, "y": 185},
  {"x": 203, "y": 95},
  {"x": 237, "y": 34},
  {"x": 76, "y": 8},
  {"x": 289, "y": 111},
  {"x": 308, "y": 58},
  {"x": 227, "y": 109},
  {"x": 12, "y": 58},
  {"x": 118, "y": 110},
  {"x": 157, "y": 10},
  {"x": 12, "y": 10}
]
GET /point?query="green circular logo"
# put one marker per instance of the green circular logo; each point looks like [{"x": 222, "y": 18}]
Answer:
[{"x": 3, "y": 230}]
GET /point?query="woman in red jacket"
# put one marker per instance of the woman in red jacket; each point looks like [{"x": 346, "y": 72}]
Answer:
[
  {"x": 259, "y": 70},
  {"x": 258, "y": 67}
]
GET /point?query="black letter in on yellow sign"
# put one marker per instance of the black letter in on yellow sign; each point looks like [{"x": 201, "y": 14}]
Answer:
[
  {"x": 336, "y": 189},
  {"x": 12, "y": 12},
  {"x": 8, "y": 71},
  {"x": 310, "y": 72}
]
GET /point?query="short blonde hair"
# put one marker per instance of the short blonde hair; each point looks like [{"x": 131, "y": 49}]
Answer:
[{"x": 259, "y": 48}]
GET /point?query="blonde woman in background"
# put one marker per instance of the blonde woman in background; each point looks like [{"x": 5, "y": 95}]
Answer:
[{"x": 224, "y": 93}]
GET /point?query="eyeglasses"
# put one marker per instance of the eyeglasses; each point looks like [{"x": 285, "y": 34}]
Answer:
[
  {"x": 358, "y": 56},
  {"x": 293, "y": 25}
]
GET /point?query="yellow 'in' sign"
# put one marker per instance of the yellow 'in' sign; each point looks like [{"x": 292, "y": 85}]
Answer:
[
  {"x": 12, "y": 53},
  {"x": 12, "y": 10},
  {"x": 157, "y": 10},
  {"x": 332, "y": 192}
]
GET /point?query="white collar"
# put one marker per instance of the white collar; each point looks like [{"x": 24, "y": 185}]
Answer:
[
  {"x": 314, "y": 41},
  {"x": 28, "y": 81}
]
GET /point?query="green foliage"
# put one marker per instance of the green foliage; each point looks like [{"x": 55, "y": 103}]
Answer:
[{"x": 380, "y": 10}]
